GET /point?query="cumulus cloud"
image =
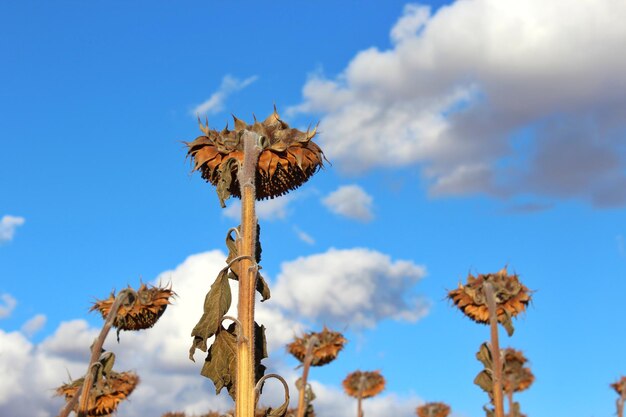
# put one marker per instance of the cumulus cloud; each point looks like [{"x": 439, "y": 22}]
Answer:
[
  {"x": 7, "y": 305},
  {"x": 350, "y": 286},
  {"x": 215, "y": 103},
  {"x": 488, "y": 96},
  {"x": 272, "y": 209},
  {"x": 34, "y": 324},
  {"x": 350, "y": 201},
  {"x": 8, "y": 224}
]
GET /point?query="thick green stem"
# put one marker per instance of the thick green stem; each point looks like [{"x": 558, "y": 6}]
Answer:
[
  {"x": 308, "y": 357},
  {"x": 495, "y": 351},
  {"x": 244, "y": 397}
]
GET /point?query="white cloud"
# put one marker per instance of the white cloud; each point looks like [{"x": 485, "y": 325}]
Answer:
[
  {"x": 352, "y": 286},
  {"x": 8, "y": 224},
  {"x": 458, "y": 90},
  {"x": 272, "y": 209},
  {"x": 7, "y": 306},
  {"x": 34, "y": 324},
  {"x": 229, "y": 85},
  {"x": 350, "y": 201},
  {"x": 303, "y": 236}
]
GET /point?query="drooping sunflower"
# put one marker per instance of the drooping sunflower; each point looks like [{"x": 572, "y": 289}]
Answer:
[
  {"x": 433, "y": 409},
  {"x": 364, "y": 384},
  {"x": 288, "y": 158},
  {"x": 106, "y": 395},
  {"x": 325, "y": 349},
  {"x": 516, "y": 376},
  {"x": 141, "y": 310},
  {"x": 511, "y": 297}
]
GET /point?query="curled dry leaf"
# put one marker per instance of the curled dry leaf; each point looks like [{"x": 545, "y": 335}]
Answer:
[
  {"x": 105, "y": 395},
  {"x": 141, "y": 309},
  {"x": 511, "y": 297},
  {"x": 433, "y": 409},
  {"x": 516, "y": 376},
  {"x": 325, "y": 350},
  {"x": 364, "y": 384},
  {"x": 288, "y": 159}
]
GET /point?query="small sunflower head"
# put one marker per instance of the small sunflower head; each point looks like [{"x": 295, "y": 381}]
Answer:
[
  {"x": 433, "y": 409},
  {"x": 106, "y": 395},
  {"x": 516, "y": 376},
  {"x": 326, "y": 346},
  {"x": 364, "y": 384},
  {"x": 511, "y": 297},
  {"x": 141, "y": 309},
  {"x": 287, "y": 160},
  {"x": 620, "y": 386}
]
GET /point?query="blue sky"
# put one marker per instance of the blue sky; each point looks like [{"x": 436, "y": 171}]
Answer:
[{"x": 463, "y": 136}]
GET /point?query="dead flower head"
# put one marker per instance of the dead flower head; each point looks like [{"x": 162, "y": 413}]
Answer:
[
  {"x": 433, "y": 409},
  {"x": 288, "y": 159},
  {"x": 106, "y": 395},
  {"x": 516, "y": 376},
  {"x": 620, "y": 386},
  {"x": 364, "y": 384},
  {"x": 511, "y": 297},
  {"x": 326, "y": 346},
  {"x": 141, "y": 309}
]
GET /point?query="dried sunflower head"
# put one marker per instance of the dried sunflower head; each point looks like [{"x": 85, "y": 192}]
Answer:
[
  {"x": 620, "y": 386},
  {"x": 141, "y": 310},
  {"x": 105, "y": 396},
  {"x": 516, "y": 377},
  {"x": 511, "y": 297},
  {"x": 433, "y": 409},
  {"x": 174, "y": 414},
  {"x": 326, "y": 347},
  {"x": 288, "y": 158},
  {"x": 364, "y": 384}
]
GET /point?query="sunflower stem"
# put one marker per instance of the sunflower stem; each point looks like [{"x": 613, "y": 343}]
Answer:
[
  {"x": 306, "y": 365},
  {"x": 509, "y": 396},
  {"x": 96, "y": 351},
  {"x": 620, "y": 404},
  {"x": 495, "y": 351},
  {"x": 248, "y": 270}
]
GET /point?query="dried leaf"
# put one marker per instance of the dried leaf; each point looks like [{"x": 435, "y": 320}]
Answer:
[
  {"x": 220, "y": 365},
  {"x": 489, "y": 412},
  {"x": 484, "y": 381},
  {"x": 260, "y": 350},
  {"x": 216, "y": 305},
  {"x": 280, "y": 411},
  {"x": 485, "y": 357},
  {"x": 226, "y": 169}
]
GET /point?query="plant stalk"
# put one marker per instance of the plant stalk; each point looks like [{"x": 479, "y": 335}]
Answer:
[
  {"x": 509, "y": 395},
  {"x": 308, "y": 357},
  {"x": 244, "y": 396},
  {"x": 620, "y": 405},
  {"x": 495, "y": 351},
  {"x": 96, "y": 350}
]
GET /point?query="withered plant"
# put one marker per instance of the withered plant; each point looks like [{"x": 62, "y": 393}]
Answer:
[
  {"x": 492, "y": 299},
  {"x": 253, "y": 162},
  {"x": 101, "y": 389},
  {"x": 363, "y": 384},
  {"x": 433, "y": 409},
  {"x": 313, "y": 349},
  {"x": 620, "y": 388}
]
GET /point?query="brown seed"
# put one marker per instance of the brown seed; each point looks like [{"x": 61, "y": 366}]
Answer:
[
  {"x": 142, "y": 309},
  {"x": 364, "y": 384},
  {"x": 106, "y": 395},
  {"x": 433, "y": 409},
  {"x": 326, "y": 349},
  {"x": 288, "y": 159}
]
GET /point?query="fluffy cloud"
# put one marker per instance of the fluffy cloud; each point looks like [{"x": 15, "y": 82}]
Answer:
[
  {"x": 8, "y": 224},
  {"x": 488, "y": 96},
  {"x": 215, "y": 103},
  {"x": 170, "y": 381},
  {"x": 350, "y": 201},
  {"x": 7, "y": 306},
  {"x": 356, "y": 286},
  {"x": 272, "y": 209},
  {"x": 34, "y": 324},
  {"x": 303, "y": 236}
]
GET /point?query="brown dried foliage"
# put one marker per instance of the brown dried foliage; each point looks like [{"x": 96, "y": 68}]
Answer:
[
  {"x": 516, "y": 377},
  {"x": 105, "y": 396},
  {"x": 364, "y": 384},
  {"x": 433, "y": 409},
  {"x": 326, "y": 349},
  {"x": 620, "y": 386},
  {"x": 141, "y": 310},
  {"x": 288, "y": 160},
  {"x": 511, "y": 295}
]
